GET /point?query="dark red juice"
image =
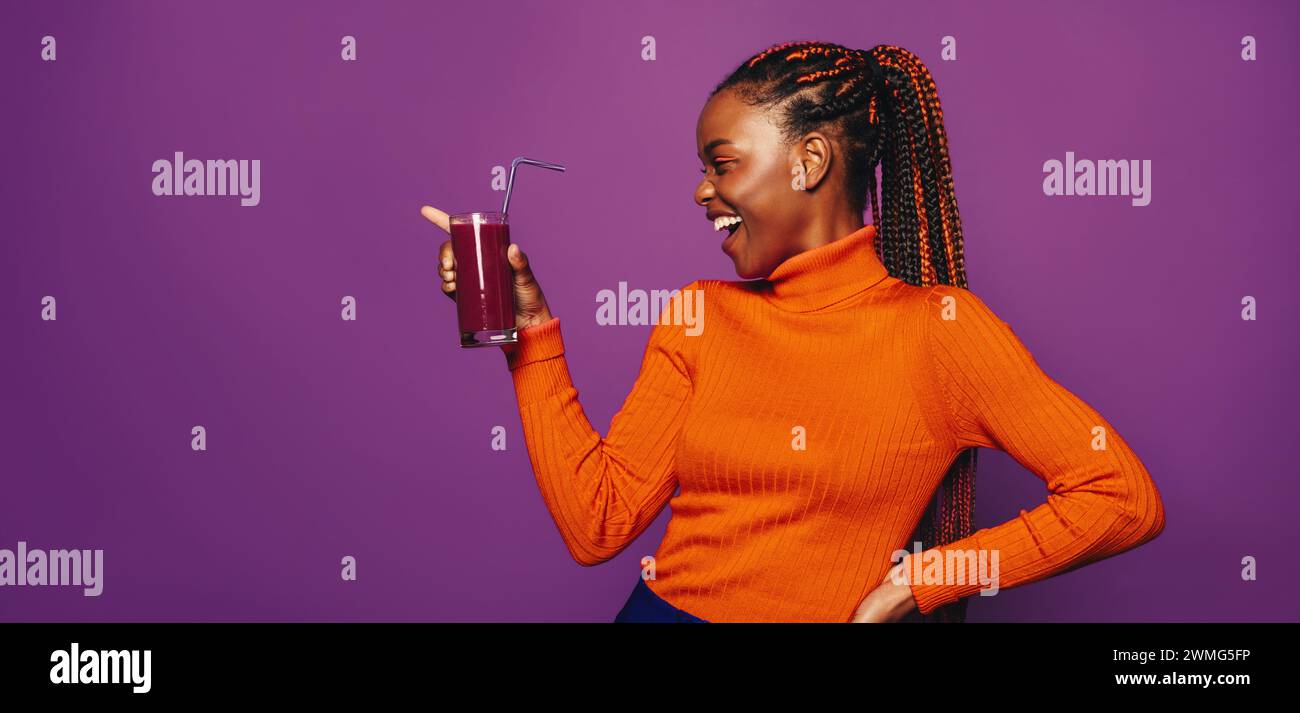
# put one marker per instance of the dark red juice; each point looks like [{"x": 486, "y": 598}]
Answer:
[{"x": 484, "y": 282}]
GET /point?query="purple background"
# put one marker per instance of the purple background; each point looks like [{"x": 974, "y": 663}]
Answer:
[{"x": 371, "y": 438}]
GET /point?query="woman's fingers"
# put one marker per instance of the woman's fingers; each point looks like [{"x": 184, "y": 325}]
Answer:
[
  {"x": 448, "y": 281},
  {"x": 446, "y": 261},
  {"x": 437, "y": 217},
  {"x": 446, "y": 258}
]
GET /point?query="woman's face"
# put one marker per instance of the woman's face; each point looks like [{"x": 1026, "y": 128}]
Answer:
[{"x": 747, "y": 172}]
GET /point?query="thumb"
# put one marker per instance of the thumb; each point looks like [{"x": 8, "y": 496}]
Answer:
[{"x": 519, "y": 262}]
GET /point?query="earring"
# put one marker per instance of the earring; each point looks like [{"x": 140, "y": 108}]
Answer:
[{"x": 798, "y": 182}]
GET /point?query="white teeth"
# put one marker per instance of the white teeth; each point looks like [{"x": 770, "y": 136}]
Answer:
[{"x": 725, "y": 221}]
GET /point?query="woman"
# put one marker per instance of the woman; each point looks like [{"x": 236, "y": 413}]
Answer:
[{"x": 818, "y": 412}]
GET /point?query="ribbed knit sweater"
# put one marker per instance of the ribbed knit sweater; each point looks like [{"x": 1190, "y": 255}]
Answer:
[{"x": 808, "y": 424}]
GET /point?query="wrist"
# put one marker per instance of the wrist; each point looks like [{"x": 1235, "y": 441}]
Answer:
[
  {"x": 900, "y": 588},
  {"x": 540, "y": 318}
]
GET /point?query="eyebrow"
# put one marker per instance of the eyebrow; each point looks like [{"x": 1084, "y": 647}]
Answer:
[{"x": 713, "y": 144}]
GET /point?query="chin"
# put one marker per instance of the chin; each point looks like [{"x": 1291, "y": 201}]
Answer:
[
  {"x": 744, "y": 261},
  {"x": 745, "y": 273}
]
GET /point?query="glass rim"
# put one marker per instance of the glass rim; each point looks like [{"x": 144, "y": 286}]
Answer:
[{"x": 487, "y": 215}]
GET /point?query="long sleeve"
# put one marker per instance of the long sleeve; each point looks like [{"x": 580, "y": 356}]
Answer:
[
  {"x": 1100, "y": 499},
  {"x": 602, "y": 492}
]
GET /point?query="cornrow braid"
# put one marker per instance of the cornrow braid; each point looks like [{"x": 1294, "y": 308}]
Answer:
[{"x": 881, "y": 106}]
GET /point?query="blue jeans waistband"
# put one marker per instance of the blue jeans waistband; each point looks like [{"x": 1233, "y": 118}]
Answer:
[{"x": 645, "y": 607}]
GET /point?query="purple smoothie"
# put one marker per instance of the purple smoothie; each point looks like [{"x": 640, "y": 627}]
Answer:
[{"x": 484, "y": 281}]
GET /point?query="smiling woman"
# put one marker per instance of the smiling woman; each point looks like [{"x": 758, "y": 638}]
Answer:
[
  {"x": 752, "y": 140},
  {"x": 831, "y": 410}
]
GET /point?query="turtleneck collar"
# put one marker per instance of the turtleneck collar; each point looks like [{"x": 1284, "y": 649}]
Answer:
[{"x": 827, "y": 274}]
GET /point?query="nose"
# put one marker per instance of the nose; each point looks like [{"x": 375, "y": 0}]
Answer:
[{"x": 704, "y": 192}]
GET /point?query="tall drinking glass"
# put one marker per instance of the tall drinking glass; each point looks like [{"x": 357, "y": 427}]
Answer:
[{"x": 485, "y": 297}]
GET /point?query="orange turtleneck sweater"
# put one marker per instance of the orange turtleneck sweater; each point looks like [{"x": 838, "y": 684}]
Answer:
[{"x": 808, "y": 424}]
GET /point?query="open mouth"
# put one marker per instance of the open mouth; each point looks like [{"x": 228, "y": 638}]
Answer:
[
  {"x": 729, "y": 223},
  {"x": 732, "y": 231}
]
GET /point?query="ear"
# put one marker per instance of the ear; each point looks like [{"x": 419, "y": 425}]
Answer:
[{"x": 816, "y": 152}]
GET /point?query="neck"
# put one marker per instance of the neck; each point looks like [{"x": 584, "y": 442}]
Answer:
[
  {"x": 825, "y": 226},
  {"x": 828, "y": 273}
]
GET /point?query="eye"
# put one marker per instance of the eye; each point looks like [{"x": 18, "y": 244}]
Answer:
[{"x": 719, "y": 163}]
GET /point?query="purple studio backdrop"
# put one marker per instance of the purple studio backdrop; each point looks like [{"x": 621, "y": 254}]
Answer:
[{"x": 371, "y": 438}]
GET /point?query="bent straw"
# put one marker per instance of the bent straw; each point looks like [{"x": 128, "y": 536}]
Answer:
[{"x": 515, "y": 164}]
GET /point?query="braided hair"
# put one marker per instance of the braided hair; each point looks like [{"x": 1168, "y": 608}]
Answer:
[{"x": 881, "y": 106}]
